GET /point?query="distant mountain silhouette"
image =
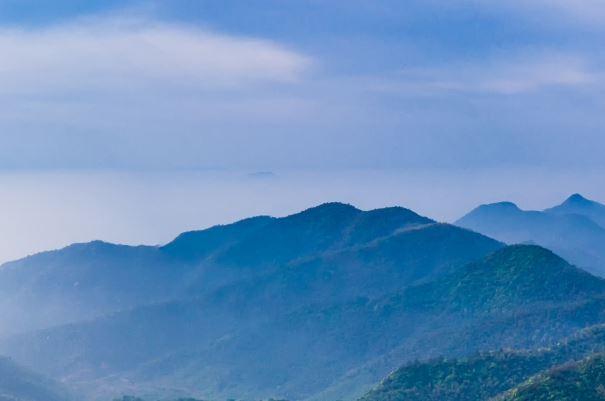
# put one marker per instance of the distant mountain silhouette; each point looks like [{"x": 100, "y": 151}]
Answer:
[
  {"x": 84, "y": 281},
  {"x": 577, "y": 204},
  {"x": 567, "y": 229}
]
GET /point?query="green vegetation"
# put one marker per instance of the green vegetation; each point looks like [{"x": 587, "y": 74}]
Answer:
[
  {"x": 133, "y": 398},
  {"x": 239, "y": 296},
  {"x": 518, "y": 297},
  {"x": 484, "y": 375},
  {"x": 510, "y": 278},
  {"x": 318, "y": 305},
  {"x": 472, "y": 379},
  {"x": 580, "y": 381}
]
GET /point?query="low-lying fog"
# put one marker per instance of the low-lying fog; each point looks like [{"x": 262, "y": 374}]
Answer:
[{"x": 47, "y": 210}]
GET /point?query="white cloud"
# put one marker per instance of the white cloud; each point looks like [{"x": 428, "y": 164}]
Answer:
[
  {"x": 582, "y": 11},
  {"x": 119, "y": 54},
  {"x": 506, "y": 75},
  {"x": 586, "y": 10}
]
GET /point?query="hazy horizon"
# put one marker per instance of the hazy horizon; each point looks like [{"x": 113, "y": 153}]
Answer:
[
  {"x": 132, "y": 122},
  {"x": 151, "y": 208},
  {"x": 445, "y": 96}
]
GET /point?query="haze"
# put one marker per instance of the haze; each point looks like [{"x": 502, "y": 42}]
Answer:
[
  {"x": 49, "y": 210},
  {"x": 132, "y": 121}
]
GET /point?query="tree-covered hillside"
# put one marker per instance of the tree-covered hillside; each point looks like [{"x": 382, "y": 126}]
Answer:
[
  {"x": 217, "y": 347},
  {"x": 318, "y": 305},
  {"x": 484, "y": 375},
  {"x": 86, "y": 281},
  {"x": 580, "y": 381},
  {"x": 510, "y": 278}
]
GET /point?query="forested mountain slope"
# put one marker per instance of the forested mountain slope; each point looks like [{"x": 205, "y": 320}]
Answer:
[
  {"x": 483, "y": 376},
  {"x": 580, "y": 381},
  {"x": 212, "y": 348},
  {"x": 85, "y": 281}
]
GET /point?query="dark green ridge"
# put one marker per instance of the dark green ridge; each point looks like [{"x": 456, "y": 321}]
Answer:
[
  {"x": 483, "y": 375},
  {"x": 579, "y": 381}
]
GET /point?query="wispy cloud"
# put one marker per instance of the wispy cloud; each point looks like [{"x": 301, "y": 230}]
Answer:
[
  {"x": 586, "y": 10},
  {"x": 125, "y": 54},
  {"x": 506, "y": 75},
  {"x": 582, "y": 11},
  {"x": 139, "y": 93}
]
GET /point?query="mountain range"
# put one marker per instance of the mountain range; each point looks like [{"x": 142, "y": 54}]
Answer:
[
  {"x": 574, "y": 229},
  {"x": 577, "y": 204},
  {"x": 319, "y": 305},
  {"x": 84, "y": 281}
]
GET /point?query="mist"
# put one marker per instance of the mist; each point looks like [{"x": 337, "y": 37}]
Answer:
[{"x": 49, "y": 210}]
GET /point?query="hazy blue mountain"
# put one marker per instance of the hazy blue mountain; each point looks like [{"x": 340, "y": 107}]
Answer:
[
  {"x": 577, "y": 204},
  {"x": 374, "y": 269},
  {"x": 212, "y": 348},
  {"x": 319, "y": 305},
  {"x": 574, "y": 236},
  {"x": 195, "y": 245},
  {"x": 19, "y": 384},
  {"x": 328, "y": 227},
  {"x": 84, "y": 281}
]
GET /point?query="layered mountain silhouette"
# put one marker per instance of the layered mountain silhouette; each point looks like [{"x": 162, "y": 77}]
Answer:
[
  {"x": 84, "y": 281},
  {"x": 319, "y": 305},
  {"x": 246, "y": 285},
  {"x": 577, "y": 204},
  {"x": 572, "y": 229},
  {"x": 212, "y": 348}
]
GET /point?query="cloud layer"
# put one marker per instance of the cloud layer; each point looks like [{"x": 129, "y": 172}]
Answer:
[
  {"x": 511, "y": 74},
  {"x": 112, "y": 55},
  {"x": 453, "y": 84}
]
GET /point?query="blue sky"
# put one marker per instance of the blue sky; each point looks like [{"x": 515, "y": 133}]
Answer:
[
  {"x": 301, "y": 84},
  {"x": 437, "y": 105}
]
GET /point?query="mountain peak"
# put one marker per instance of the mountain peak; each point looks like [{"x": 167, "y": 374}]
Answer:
[
  {"x": 489, "y": 210},
  {"x": 509, "y": 277},
  {"x": 576, "y": 202},
  {"x": 578, "y": 199},
  {"x": 332, "y": 209},
  {"x": 530, "y": 253},
  {"x": 332, "y": 206},
  {"x": 534, "y": 272},
  {"x": 579, "y": 205},
  {"x": 497, "y": 207},
  {"x": 506, "y": 205}
]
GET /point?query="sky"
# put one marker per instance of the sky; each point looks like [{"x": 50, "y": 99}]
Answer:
[{"x": 432, "y": 104}]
